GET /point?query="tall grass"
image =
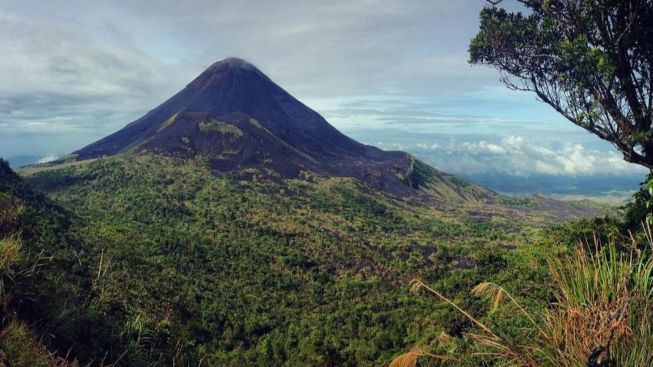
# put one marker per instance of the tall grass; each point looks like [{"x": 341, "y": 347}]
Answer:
[
  {"x": 20, "y": 345},
  {"x": 602, "y": 314}
]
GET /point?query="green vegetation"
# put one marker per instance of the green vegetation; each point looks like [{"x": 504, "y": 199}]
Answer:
[
  {"x": 519, "y": 201},
  {"x": 589, "y": 60},
  {"x": 600, "y": 314},
  {"x": 256, "y": 124},
  {"x": 185, "y": 266},
  {"x": 221, "y": 127},
  {"x": 176, "y": 265},
  {"x": 418, "y": 174},
  {"x": 171, "y": 120}
]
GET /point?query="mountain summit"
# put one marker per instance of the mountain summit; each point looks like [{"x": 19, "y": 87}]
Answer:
[{"x": 237, "y": 117}]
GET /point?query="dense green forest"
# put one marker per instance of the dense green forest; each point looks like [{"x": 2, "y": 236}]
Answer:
[{"x": 171, "y": 264}]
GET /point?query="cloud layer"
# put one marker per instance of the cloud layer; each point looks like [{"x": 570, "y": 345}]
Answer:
[{"x": 509, "y": 156}]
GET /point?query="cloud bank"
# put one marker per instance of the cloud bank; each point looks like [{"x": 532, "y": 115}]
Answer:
[{"x": 510, "y": 156}]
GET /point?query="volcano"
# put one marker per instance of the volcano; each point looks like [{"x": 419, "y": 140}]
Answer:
[{"x": 238, "y": 118}]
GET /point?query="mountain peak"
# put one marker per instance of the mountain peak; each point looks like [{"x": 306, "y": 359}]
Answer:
[
  {"x": 223, "y": 69},
  {"x": 234, "y": 114},
  {"x": 231, "y": 63}
]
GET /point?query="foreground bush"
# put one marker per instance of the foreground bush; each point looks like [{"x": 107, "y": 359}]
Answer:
[{"x": 602, "y": 314}]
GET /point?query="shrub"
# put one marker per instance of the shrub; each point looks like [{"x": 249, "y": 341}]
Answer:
[{"x": 602, "y": 314}]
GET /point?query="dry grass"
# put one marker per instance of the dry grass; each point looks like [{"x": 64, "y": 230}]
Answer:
[
  {"x": 411, "y": 358},
  {"x": 19, "y": 347},
  {"x": 603, "y": 315},
  {"x": 407, "y": 359},
  {"x": 10, "y": 253}
]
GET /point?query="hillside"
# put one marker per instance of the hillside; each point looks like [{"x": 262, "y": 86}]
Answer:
[
  {"x": 46, "y": 289},
  {"x": 240, "y": 269}
]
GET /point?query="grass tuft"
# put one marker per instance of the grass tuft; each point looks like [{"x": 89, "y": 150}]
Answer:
[
  {"x": 10, "y": 253},
  {"x": 601, "y": 316}
]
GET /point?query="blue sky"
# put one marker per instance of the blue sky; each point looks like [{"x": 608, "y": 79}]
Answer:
[{"x": 390, "y": 73}]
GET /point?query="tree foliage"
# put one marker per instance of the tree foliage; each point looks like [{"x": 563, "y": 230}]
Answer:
[
  {"x": 180, "y": 267},
  {"x": 590, "y": 60}
]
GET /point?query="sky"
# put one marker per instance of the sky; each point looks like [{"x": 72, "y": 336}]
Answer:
[{"x": 389, "y": 73}]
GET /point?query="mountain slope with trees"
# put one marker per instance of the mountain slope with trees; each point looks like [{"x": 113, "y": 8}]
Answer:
[{"x": 241, "y": 269}]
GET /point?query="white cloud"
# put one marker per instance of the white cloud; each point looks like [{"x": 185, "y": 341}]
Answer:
[
  {"x": 539, "y": 156},
  {"x": 47, "y": 158},
  {"x": 517, "y": 155},
  {"x": 514, "y": 140},
  {"x": 485, "y": 147},
  {"x": 57, "y": 78},
  {"x": 432, "y": 146}
]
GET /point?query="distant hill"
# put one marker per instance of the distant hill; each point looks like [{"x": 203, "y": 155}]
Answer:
[{"x": 597, "y": 185}]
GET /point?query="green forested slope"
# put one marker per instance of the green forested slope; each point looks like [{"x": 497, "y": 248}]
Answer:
[{"x": 241, "y": 269}]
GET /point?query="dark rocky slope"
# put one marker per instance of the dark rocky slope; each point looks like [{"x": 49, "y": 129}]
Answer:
[{"x": 238, "y": 118}]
